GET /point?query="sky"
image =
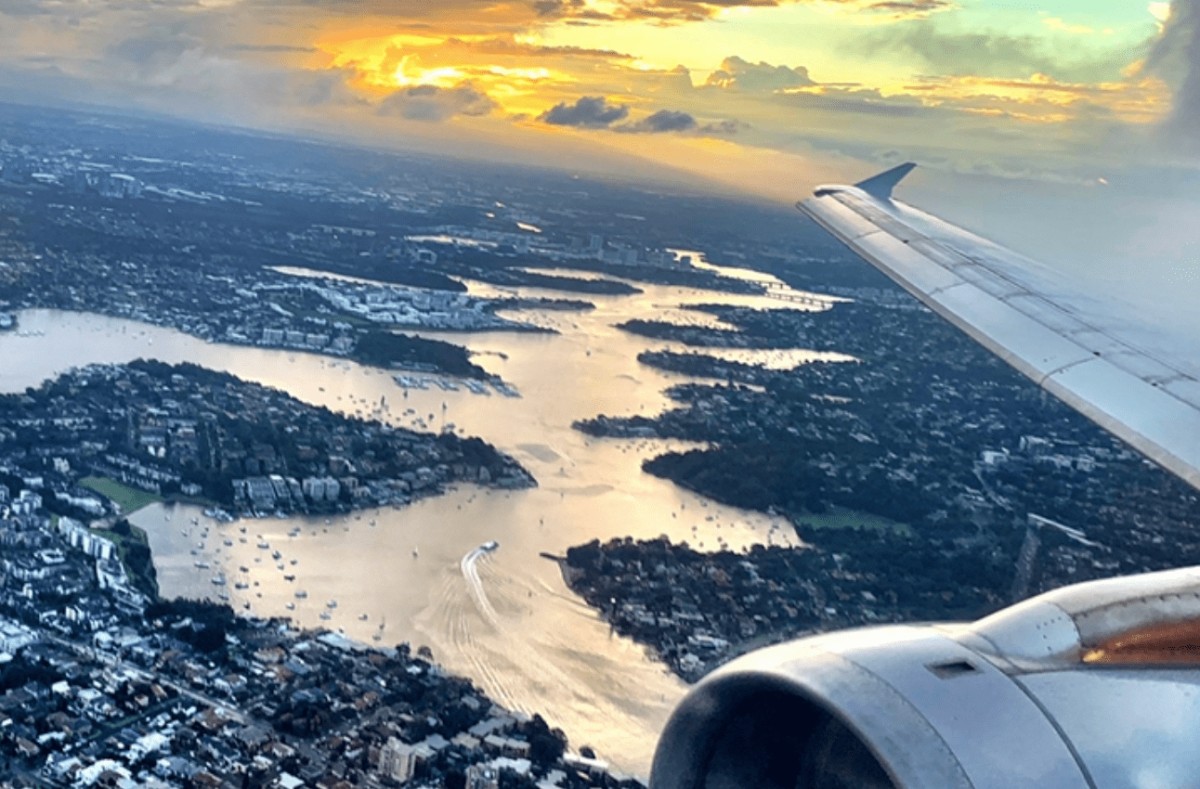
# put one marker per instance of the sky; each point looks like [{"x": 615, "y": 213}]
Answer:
[
  {"x": 733, "y": 90},
  {"x": 1027, "y": 116}
]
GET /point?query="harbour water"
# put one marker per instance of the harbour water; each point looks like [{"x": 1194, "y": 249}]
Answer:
[{"x": 504, "y": 617}]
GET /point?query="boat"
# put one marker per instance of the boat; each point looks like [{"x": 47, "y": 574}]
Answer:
[
  {"x": 331, "y": 604},
  {"x": 219, "y": 580},
  {"x": 228, "y": 543},
  {"x": 489, "y": 546},
  {"x": 202, "y": 565},
  {"x": 300, "y": 595},
  {"x": 290, "y": 606},
  {"x": 362, "y": 617},
  {"x": 326, "y": 616},
  {"x": 276, "y": 555},
  {"x": 416, "y": 553},
  {"x": 241, "y": 585},
  {"x": 289, "y": 577},
  {"x": 244, "y": 569},
  {"x": 263, "y": 544}
]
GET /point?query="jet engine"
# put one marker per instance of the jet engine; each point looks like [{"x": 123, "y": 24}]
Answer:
[{"x": 1095, "y": 686}]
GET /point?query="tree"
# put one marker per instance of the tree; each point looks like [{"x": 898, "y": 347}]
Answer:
[{"x": 546, "y": 745}]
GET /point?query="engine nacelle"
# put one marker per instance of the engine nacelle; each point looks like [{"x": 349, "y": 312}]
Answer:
[{"x": 1091, "y": 686}]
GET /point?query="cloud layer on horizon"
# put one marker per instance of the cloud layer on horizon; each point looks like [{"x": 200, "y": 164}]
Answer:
[{"x": 979, "y": 99}]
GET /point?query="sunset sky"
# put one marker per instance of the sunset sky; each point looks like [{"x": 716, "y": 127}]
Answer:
[{"x": 733, "y": 90}]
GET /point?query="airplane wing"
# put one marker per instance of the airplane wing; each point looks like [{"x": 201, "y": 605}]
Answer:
[
  {"x": 1091, "y": 686},
  {"x": 1003, "y": 301}
]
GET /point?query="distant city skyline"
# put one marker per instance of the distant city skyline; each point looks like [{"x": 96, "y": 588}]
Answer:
[{"x": 734, "y": 91}]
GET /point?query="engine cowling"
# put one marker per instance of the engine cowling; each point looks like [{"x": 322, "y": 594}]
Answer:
[{"x": 1095, "y": 685}]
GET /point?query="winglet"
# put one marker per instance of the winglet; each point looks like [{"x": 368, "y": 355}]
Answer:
[{"x": 881, "y": 186}]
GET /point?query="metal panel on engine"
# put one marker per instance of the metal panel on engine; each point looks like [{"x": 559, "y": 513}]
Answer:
[{"x": 1133, "y": 729}]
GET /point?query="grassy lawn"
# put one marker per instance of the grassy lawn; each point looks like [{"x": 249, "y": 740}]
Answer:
[
  {"x": 839, "y": 518},
  {"x": 127, "y": 498}
]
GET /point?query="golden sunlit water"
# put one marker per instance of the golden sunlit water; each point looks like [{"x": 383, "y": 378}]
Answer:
[{"x": 504, "y": 618}]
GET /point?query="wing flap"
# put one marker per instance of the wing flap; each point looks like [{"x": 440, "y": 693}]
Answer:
[{"x": 996, "y": 297}]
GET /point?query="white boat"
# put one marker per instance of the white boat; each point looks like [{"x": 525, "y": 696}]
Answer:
[
  {"x": 489, "y": 546},
  {"x": 202, "y": 565},
  {"x": 290, "y": 606}
]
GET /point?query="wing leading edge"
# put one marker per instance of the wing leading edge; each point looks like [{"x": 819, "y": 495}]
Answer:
[{"x": 997, "y": 298}]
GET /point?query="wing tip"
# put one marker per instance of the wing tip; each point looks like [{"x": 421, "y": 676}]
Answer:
[{"x": 880, "y": 186}]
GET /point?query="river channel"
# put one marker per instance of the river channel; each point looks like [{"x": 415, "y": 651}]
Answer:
[{"x": 503, "y": 618}]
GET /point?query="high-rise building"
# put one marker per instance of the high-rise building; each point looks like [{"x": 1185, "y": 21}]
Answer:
[{"x": 398, "y": 760}]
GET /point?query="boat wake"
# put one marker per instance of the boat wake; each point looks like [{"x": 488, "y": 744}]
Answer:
[{"x": 470, "y": 571}]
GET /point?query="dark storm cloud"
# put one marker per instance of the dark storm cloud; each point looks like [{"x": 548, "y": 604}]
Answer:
[
  {"x": 431, "y": 103},
  {"x": 661, "y": 121},
  {"x": 589, "y": 112}
]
